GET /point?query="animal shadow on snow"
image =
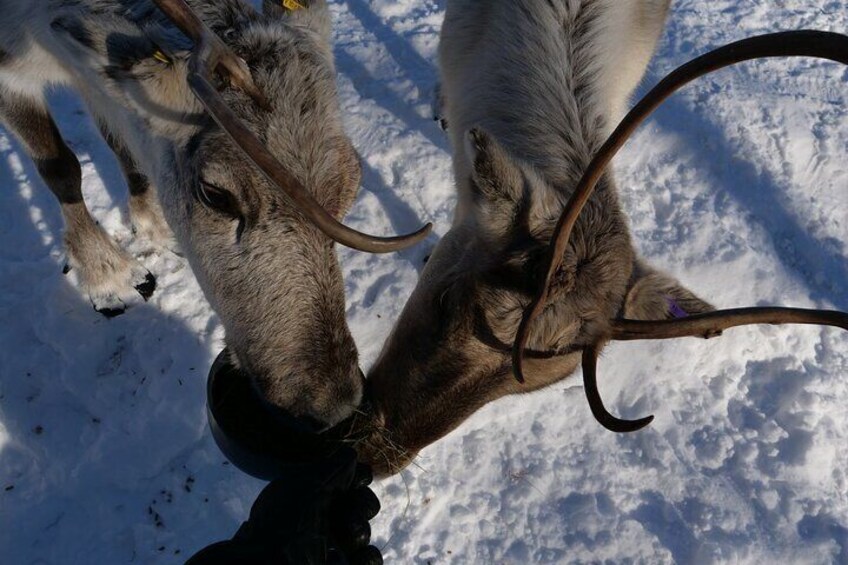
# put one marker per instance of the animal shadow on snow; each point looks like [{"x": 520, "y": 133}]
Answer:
[
  {"x": 760, "y": 194},
  {"x": 98, "y": 413},
  {"x": 423, "y": 75}
]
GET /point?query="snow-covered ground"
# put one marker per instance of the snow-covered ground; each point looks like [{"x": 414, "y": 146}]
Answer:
[{"x": 738, "y": 186}]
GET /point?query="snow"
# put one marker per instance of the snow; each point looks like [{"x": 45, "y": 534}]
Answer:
[{"x": 737, "y": 186}]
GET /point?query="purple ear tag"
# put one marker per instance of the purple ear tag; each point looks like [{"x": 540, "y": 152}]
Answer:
[{"x": 675, "y": 308}]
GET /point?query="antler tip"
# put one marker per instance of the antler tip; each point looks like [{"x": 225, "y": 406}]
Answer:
[
  {"x": 393, "y": 244},
  {"x": 424, "y": 231},
  {"x": 620, "y": 426}
]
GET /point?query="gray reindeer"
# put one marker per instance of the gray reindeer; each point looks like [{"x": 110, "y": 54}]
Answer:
[
  {"x": 538, "y": 270},
  {"x": 183, "y": 100}
]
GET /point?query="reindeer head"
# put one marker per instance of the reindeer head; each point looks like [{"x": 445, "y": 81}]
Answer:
[
  {"x": 450, "y": 352},
  {"x": 237, "y": 122},
  {"x": 527, "y": 282}
]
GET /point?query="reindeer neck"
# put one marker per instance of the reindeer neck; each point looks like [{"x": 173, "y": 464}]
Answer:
[{"x": 533, "y": 82}]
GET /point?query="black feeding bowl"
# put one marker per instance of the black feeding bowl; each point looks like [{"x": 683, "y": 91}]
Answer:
[{"x": 258, "y": 438}]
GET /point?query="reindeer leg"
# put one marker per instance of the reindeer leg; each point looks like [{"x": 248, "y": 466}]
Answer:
[
  {"x": 107, "y": 273},
  {"x": 148, "y": 222}
]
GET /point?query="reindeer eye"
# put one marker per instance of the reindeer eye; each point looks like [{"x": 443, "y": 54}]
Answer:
[{"x": 218, "y": 199}]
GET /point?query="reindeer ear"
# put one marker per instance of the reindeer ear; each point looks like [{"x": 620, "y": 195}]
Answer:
[
  {"x": 496, "y": 177},
  {"x": 312, "y": 13},
  {"x": 653, "y": 295}
]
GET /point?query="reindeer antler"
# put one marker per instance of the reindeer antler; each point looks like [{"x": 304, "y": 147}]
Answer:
[
  {"x": 712, "y": 324},
  {"x": 596, "y": 403},
  {"x": 210, "y": 56},
  {"x": 707, "y": 326},
  {"x": 818, "y": 44}
]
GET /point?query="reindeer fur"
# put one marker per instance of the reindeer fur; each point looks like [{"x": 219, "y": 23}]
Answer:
[
  {"x": 271, "y": 276},
  {"x": 531, "y": 90}
]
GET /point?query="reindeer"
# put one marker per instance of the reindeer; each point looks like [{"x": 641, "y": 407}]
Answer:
[
  {"x": 184, "y": 91},
  {"x": 538, "y": 270}
]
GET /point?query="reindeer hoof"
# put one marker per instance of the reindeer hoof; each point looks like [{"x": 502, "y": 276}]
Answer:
[
  {"x": 146, "y": 288},
  {"x": 110, "y": 312},
  {"x": 108, "y": 304},
  {"x": 112, "y": 302}
]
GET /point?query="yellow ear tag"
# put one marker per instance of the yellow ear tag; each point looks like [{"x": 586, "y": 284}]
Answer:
[
  {"x": 160, "y": 56},
  {"x": 293, "y": 5}
]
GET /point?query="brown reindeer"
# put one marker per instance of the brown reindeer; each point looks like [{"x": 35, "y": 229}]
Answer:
[{"x": 539, "y": 253}]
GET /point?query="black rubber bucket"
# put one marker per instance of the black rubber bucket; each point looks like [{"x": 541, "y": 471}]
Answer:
[{"x": 258, "y": 438}]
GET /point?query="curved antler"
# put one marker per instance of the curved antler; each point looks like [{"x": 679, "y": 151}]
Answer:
[
  {"x": 824, "y": 45},
  {"x": 596, "y": 404},
  {"x": 211, "y": 55},
  {"x": 707, "y": 326},
  {"x": 219, "y": 58}
]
